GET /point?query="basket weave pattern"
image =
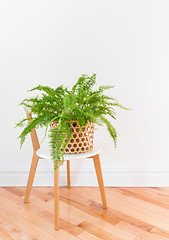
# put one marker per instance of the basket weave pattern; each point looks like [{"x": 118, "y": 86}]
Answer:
[{"x": 80, "y": 142}]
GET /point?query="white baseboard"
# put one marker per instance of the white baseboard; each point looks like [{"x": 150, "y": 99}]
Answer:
[{"x": 112, "y": 177}]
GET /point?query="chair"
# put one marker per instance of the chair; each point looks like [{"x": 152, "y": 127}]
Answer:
[{"x": 42, "y": 153}]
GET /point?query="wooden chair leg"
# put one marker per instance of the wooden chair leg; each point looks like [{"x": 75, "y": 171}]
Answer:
[
  {"x": 97, "y": 165},
  {"x": 68, "y": 173},
  {"x": 56, "y": 198},
  {"x": 32, "y": 172}
]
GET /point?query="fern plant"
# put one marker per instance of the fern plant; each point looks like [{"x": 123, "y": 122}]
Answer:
[{"x": 62, "y": 105}]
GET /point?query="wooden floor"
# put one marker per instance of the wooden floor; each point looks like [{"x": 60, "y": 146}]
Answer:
[{"x": 132, "y": 214}]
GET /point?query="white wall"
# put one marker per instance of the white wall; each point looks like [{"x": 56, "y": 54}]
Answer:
[{"x": 125, "y": 43}]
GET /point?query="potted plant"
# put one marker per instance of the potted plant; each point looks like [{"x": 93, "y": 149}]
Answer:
[{"x": 71, "y": 115}]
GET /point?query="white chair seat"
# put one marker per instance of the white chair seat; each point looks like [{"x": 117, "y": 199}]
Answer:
[{"x": 43, "y": 152}]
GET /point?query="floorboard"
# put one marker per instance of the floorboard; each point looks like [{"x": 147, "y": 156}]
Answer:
[{"x": 132, "y": 214}]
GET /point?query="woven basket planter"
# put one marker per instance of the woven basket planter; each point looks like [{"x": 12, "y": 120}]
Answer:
[{"x": 80, "y": 142}]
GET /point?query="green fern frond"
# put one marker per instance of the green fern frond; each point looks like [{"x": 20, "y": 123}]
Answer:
[
  {"x": 103, "y": 88},
  {"x": 110, "y": 129},
  {"x": 46, "y": 89}
]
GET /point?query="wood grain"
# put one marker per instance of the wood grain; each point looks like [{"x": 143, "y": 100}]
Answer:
[
  {"x": 5, "y": 235},
  {"x": 132, "y": 214},
  {"x": 56, "y": 198},
  {"x": 68, "y": 173},
  {"x": 96, "y": 160}
]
